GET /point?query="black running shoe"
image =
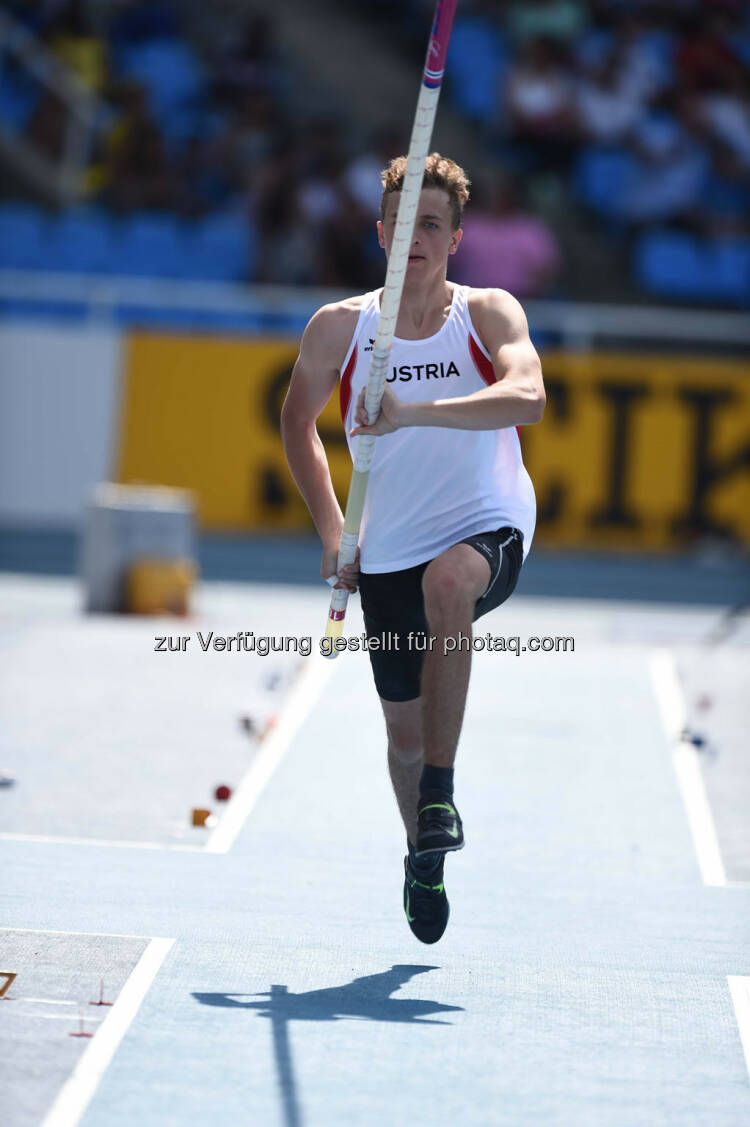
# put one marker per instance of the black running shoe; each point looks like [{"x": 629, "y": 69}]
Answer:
[
  {"x": 425, "y": 903},
  {"x": 439, "y": 828}
]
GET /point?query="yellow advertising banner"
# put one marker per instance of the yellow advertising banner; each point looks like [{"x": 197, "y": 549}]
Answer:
[
  {"x": 641, "y": 451},
  {"x": 635, "y": 451},
  {"x": 203, "y": 412}
]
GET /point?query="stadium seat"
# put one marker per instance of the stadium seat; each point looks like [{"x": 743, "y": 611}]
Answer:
[
  {"x": 667, "y": 263},
  {"x": 221, "y": 247},
  {"x": 602, "y": 177},
  {"x": 17, "y": 101},
  {"x": 148, "y": 245},
  {"x": 24, "y": 234},
  {"x": 81, "y": 240},
  {"x": 676, "y": 265},
  {"x": 478, "y": 59},
  {"x": 170, "y": 72},
  {"x": 732, "y": 271},
  {"x": 659, "y": 47}
]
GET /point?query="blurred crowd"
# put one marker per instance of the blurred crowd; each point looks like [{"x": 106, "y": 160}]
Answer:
[
  {"x": 196, "y": 131},
  {"x": 643, "y": 108},
  {"x": 635, "y": 113}
]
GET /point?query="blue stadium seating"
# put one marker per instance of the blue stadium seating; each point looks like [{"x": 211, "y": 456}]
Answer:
[
  {"x": 221, "y": 247},
  {"x": 81, "y": 241},
  {"x": 170, "y": 72},
  {"x": 24, "y": 232},
  {"x": 731, "y": 275},
  {"x": 478, "y": 60},
  {"x": 602, "y": 176},
  {"x": 668, "y": 263},
  {"x": 86, "y": 240},
  {"x": 674, "y": 264},
  {"x": 18, "y": 97},
  {"x": 148, "y": 245}
]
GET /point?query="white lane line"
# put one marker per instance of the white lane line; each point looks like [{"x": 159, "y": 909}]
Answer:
[
  {"x": 43, "y": 1001},
  {"x": 294, "y": 712},
  {"x": 53, "y": 931},
  {"x": 671, "y": 702},
  {"x": 86, "y": 1018},
  {"x": 739, "y": 988},
  {"x": 78, "y": 1091},
  {"x": 47, "y": 839}
]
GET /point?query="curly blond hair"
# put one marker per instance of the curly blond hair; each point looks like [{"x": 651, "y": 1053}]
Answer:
[{"x": 440, "y": 172}]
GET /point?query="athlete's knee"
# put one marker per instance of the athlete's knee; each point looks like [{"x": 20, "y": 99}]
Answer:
[{"x": 447, "y": 591}]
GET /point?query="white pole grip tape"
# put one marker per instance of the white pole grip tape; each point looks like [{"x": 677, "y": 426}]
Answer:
[{"x": 348, "y": 548}]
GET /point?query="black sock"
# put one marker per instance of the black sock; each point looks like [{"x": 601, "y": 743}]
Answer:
[
  {"x": 426, "y": 865},
  {"x": 436, "y": 780}
]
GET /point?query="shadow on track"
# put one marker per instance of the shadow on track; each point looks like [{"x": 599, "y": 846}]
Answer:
[{"x": 367, "y": 997}]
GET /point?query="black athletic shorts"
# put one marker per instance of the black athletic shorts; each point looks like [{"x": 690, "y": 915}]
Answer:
[{"x": 393, "y": 606}]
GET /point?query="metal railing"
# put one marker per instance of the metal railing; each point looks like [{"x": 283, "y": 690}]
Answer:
[{"x": 574, "y": 325}]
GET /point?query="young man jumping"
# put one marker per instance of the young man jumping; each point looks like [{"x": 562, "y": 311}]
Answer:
[{"x": 450, "y": 509}]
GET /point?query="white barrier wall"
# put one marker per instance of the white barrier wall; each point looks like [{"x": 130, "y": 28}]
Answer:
[{"x": 59, "y": 401}]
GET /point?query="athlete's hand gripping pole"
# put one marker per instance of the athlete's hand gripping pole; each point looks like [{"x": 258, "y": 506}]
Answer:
[{"x": 419, "y": 146}]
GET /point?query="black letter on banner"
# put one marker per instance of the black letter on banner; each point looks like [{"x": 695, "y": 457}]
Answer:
[
  {"x": 707, "y": 471},
  {"x": 622, "y": 398},
  {"x": 272, "y": 492},
  {"x": 550, "y": 507},
  {"x": 275, "y": 395}
]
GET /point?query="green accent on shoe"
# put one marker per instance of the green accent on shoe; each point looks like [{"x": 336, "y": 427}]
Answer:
[
  {"x": 431, "y": 918},
  {"x": 429, "y": 887},
  {"x": 438, "y": 806}
]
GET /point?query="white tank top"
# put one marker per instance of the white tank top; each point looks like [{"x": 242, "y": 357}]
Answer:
[{"x": 430, "y": 487}]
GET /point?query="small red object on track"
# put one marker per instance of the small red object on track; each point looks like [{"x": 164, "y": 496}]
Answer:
[{"x": 101, "y": 1001}]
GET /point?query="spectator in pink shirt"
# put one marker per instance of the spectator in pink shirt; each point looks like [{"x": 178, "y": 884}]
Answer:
[{"x": 504, "y": 246}]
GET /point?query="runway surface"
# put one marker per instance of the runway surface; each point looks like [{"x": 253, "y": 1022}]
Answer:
[{"x": 596, "y": 969}]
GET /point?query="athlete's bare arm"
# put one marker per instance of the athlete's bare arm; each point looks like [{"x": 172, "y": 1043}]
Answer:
[
  {"x": 314, "y": 377},
  {"x": 516, "y": 399}
]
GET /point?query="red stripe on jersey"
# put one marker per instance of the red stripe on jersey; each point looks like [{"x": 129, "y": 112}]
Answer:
[
  {"x": 483, "y": 364},
  {"x": 485, "y": 368},
  {"x": 345, "y": 391}
]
